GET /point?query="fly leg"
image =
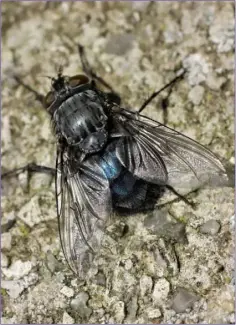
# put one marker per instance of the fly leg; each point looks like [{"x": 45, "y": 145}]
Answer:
[
  {"x": 38, "y": 96},
  {"x": 112, "y": 95},
  {"x": 179, "y": 197},
  {"x": 30, "y": 169},
  {"x": 166, "y": 99},
  {"x": 165, "y": 104}
]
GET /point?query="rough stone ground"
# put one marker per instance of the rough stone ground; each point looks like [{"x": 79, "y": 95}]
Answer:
[{"x": 183, "y": 271}]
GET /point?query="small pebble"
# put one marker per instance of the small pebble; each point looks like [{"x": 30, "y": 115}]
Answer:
[
  {"x": 221, "y": 31},
  {"x": 14, "y": 288},
  {"x": 153, "y": 313},
  {"x": 131, "y": 310},
  {"x": 215, "y": 82},
  {"x": 197, "y": 67},
  {"x": 119, "y": 44},
  {"x": 4, "y": 260},
  {"x": 68, "y": 292},
  {"x": 38, "y": 181},
  {"x": 6, "y": 241},
  {"x": 196, "y": 94},
  {"x": 51, "y": 262},
  {"x": 162, "y": 224},
  {"x": 8, "y": 222},
  {"x": 232, "y": 221},
  {"x": 79, "y": 304},
  {"x": 160, "y": 292},
  {"x": 18, "y": 269},
  {"x": 6, "y": 320},
  {"x": 211, "y": 227},
  {"x": 183, "y": 300},
  {"x": 156, "y": 220},
  {"x": 67, "y": 319},
  {"x": 172, "y": 34},
  {"x": 128, "y": 264},
  {"x": 74, "y": 282},
  {"x": 118, "y": 310},
  {"x": 100, "y": 279},
  {"x": 145, "y": 285}
]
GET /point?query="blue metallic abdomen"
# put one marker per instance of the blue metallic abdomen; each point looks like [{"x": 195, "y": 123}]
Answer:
[{"x": 127, "y": 190}]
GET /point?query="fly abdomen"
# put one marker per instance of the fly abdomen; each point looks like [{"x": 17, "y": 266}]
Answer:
[
  {"x": 124, "y": 185},
  {"x": 111, "y": 165},
  {"x": 127, "y": 190}
]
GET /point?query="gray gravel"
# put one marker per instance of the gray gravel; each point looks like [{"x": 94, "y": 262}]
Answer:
[
  {"x": 211, "y": 227},
  {"x": 79, "y": 304},
  {"x": 149, "y": 271},
  {"x": 183, "y": 300}
]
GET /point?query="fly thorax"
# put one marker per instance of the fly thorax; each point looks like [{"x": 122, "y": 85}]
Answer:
[{"x": 82, "y": 121}]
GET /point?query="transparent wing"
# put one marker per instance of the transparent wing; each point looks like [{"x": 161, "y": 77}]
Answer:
[
  {"x": 165, "y": 156},
  {"x": 83, "y": 207}
]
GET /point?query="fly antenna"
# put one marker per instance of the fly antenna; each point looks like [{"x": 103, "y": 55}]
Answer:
[
  {"x": 60, "y": 70},
  {"x": 49, "y": 77}
]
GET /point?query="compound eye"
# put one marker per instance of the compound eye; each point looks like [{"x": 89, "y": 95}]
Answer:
[
  {"x": 77, "y": 80},
  {"x": 49, "y": 99}
]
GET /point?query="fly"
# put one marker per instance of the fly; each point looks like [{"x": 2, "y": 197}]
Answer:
[{"x": 110, "y": 158}]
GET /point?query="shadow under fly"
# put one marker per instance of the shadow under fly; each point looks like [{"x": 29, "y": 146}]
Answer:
[{"x": 110, "y": 158}]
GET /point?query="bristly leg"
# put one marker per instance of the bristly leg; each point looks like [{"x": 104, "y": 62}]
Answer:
[
  {"x": 181, "y": 197},
  {"x": 90, "y": 73},
  {"x": 156, "y": 93},
  {"x": 38, "y": 96},
  {"x": 165, "y": 104},
  {"x": 30, "y": 169}
]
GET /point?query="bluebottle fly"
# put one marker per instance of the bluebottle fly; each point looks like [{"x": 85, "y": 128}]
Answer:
[{"x": 110, "y": 158}]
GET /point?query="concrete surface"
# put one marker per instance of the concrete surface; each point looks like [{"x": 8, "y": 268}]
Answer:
[{"x": 145, "y": 277}]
